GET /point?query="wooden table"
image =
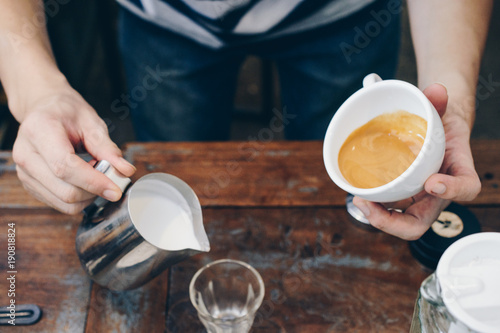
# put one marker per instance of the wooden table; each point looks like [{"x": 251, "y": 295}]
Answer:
[{"x": 269, "y": 204}]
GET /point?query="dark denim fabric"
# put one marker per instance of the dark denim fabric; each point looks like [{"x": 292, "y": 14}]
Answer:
[{"x": 182, "y": 91}]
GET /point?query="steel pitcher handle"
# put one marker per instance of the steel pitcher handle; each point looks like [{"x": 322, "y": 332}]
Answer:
[{"x": 121, "y": 181}]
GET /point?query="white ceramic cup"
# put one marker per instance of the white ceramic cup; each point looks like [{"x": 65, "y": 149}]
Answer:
[{"x": 375, "y": 98}]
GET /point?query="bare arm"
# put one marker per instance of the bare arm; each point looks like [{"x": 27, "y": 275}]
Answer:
[
  {"x": 449, "y": 38},
  {"x": 27, "y": 62},
  {"x": 54, "y": 117}
]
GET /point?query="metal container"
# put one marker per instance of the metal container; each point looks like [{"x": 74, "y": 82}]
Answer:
[{"x": 157, "y": 223}]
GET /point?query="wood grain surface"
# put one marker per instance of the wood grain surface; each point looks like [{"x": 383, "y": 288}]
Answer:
[
  {"x": 138, "y": 310},
  {"x": 48, "y": 270},
  {"x": 322, "y": 272},
  {"x": 244, "y": 174},
  {"x": 250, "y": 173},
  {"x": 269, "y": 204},
  {"x": 12, "y": 193}
]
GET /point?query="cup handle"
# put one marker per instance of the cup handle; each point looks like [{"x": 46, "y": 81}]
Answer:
[{"x": 371, "y": 79}]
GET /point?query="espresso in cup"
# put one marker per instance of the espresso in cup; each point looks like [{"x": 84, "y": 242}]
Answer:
[
  {"x": 396, "y": 102},
  {"x": 382, "y": 149}
]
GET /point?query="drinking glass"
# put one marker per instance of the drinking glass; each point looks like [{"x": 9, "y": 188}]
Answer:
[{"x": 226, "y": 294}]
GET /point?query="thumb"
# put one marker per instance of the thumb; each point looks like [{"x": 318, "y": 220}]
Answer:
[
  {"x": 101, "y": 147},
  {"x": 463, "y": 187},
  {"x": 438, "y": 96}
]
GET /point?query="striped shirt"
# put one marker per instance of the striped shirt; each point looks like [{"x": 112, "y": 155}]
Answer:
[{"x": 217, "y": 23}]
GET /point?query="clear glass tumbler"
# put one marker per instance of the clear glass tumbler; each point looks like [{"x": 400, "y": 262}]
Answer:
[{"x": 227, "y": 293}]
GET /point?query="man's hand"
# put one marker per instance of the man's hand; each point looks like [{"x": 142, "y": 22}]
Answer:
[
  {"x": 55, "y": 120},
  {"x": 457, "y": 180},
  {"x": 51, "y": 134}
]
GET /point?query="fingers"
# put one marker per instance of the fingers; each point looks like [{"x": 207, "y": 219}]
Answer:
[
  {"x": 99, "y": 145},
  {"x": 411, "y": 224},
  {"x": 44, "y": 152},
  {"x": 56, "y": 175},
  {"x": 37, "y": 190},
  {"x": 459, "y": 181},
  {"x": 401, "y": 205},
  {"x": 59, "y": 161},
  {"x": 438, "y": 96},
  {"x": 64, "y": 191},
  {"x": 464, "y": 187}
]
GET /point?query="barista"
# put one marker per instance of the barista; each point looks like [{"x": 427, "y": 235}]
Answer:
[{"x": 201, "y": 58}]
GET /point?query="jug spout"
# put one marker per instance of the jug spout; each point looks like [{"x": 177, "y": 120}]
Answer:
[{"x": 167, "y": 213}]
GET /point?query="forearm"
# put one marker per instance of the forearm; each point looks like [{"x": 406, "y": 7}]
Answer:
[
  {"x": 449, "y": 38},
  {"x": 28, "y": 70}
]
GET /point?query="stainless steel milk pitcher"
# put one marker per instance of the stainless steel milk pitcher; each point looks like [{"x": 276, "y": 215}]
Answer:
[{"x": 157, "y": 223}]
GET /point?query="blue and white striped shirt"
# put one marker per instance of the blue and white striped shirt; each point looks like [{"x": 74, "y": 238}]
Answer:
[{"x": 216, "y": 23}]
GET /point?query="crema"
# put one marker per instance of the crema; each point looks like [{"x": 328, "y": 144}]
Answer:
[{"x": 382, "y": 149}]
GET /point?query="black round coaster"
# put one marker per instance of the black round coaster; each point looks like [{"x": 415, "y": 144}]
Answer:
[{"x": 455, "y": 222}]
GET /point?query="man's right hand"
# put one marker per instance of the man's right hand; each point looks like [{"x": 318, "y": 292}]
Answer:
[
  {"x": 55, "y": 120},
  {"x": 54, "y": 128}
]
